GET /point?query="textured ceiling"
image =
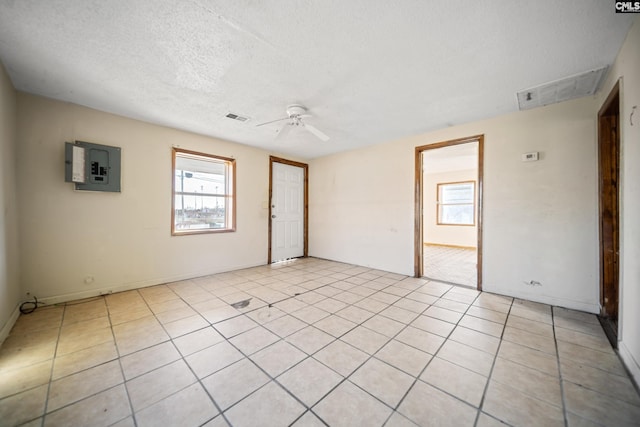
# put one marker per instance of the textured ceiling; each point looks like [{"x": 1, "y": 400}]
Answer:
[{"x": 368, "y": 70}]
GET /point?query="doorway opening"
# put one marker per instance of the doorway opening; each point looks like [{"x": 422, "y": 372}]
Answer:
[
  {"x": 448, "y": 211},
  {"x": 288, "y": 209},
  {"x": 608, "y": 178}
]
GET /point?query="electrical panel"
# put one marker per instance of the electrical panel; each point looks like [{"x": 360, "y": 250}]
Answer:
[{"x": 92, "y": 167}]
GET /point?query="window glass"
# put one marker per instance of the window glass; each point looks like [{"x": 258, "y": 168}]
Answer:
[{"x": 456, "y": 203}]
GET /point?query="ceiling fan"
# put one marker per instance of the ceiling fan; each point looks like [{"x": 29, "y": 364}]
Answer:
[{"x": 295, "y": 115}]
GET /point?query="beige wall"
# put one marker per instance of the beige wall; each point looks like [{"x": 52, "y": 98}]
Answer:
[
  {"x": 455, "y": 235},
  {"x": 627, "y": 68},
  {"x": 122, "y": 240},
  {"x": 540, "y": 218},
  {"x": 10, "y": 295}
]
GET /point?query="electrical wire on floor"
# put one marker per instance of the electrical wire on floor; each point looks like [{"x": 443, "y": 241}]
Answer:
[{"x": 28, "y": 307}]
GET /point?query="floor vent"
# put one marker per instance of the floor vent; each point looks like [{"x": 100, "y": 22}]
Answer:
[{"x": 573, "y": 87}]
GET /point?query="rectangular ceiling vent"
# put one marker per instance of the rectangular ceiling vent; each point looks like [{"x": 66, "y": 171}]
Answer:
[
  {"x": 573, "y": 87},
  {"x": 237, "y": 117}
]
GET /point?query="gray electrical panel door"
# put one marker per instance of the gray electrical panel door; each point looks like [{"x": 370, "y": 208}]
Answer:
[{"x": 92, "y": 167}]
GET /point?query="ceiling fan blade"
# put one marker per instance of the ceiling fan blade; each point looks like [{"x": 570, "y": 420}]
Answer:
[
  {"x": 317, "y": 132},
  {"x": 282, "y": 135},
  {"x": 273, "y": 121}
]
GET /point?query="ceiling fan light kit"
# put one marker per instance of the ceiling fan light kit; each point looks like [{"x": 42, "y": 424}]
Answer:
[{"x": 295, "y": 114}]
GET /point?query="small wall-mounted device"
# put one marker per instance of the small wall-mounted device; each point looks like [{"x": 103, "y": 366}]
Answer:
[
  {"x": 92, "y": 167},
  {"x": 530, "y": 157}
]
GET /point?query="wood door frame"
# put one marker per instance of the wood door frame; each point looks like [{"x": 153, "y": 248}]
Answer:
[
  {"x": 418, "y": 260},
  {"x": 272, "y": 160},
  {"x": 609, "y": 312}
]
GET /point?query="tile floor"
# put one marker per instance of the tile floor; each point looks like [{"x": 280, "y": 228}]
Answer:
[
  {"x": 320, "y": 343},
  {"x": 451, "y": 264}
]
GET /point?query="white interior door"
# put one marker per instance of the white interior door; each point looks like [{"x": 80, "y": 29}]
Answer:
[{"x": 287, "y": 212}]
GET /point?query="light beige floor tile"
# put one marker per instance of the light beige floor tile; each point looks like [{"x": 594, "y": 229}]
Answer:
[
  {"x": 188, "y": 407},
  {"x": 580, "y": 326},
  {"x": 398, "y": 420},
  {"x": 138, "y": 334},
  {"x": 173, "y": 305},
  {"x": 600, "y": 343},
  {"x": 270, "y": 406},
  {"x": 475, "y": 360},
  {"x": 278, "y": 357},
  {"x": 477, "y": 340},
  {"x": 485, "y": 420},
  {"x": 43, "y": 318},
  {"x": 127, "y": 422},
  {"x": 420, "y": 339},
  {"x": 218, "y": 421},
  {"x": 84, "y": 340},
  {"x": 462, "y": 383},
  {"x": 233, "y": 383},
  {"x": 13, "y": 381},
  {"x": 599, "y": 408},
  {"x": 433, "y": 325},
  {"x": 481, "y": 325},
  {"x": 492, "y": 304},
  {"x": 516, "y": 408},
  {"x": 529, "y": 381},
  {"x": 84, "y": 326},
  {"x": 254, "y": 340},
  {"x": 84, "y": 359},
  {"x": 330, "y": 305},
  {"x": 435, "y": 288},
  {"x": 355, "y": 314},
  {"x": 443, "y": 314},
  {"x": 422, "y": 298},
  {"x": 120, "y": 317},
  {"x": 102, "y": 409},
  {"x": 335, "y": 325},
  {"x": 615, "y": 386},
  {"x": 83, "y": 384},
  {"x": 341, "y": 357},
  {"x": 383, "y": 381},
  {"x": 385, "y": 297},
  {"x": 384, "y": 325},
  {"x": 235, "y": 326},
  {"x": 80, "y": 312},
  {"x": 365, "y": 339},
  {"x": 531, "y": 326},
  {"x": 486, "y": 314},
  {"x": 309, "y": 381},
  {"x": 529, "y": 357},
  {"x": 371, "y": 305},
  {"x": 211, "y": 359},
  {"x": 143, "y": 361},
  {"x": 566, "y": 313},
  {"x": 451, "y": 305},
  {"x": 154, "y": 386},
  {"x": 220, "y": 314},
  {"x": 461, "y": 295},
  {"x": 186, "y": 325},
  {"x": 172, "y": 315},
  {"x": 404, "y": 357},
  {"x": 411, "y": 305},
  {"x": 425, "y": 405},
  {"x": 399, "y": 314},
  {"x": 22, "y": 407},
  {"x": 348, "y": 405},
  {"x": 607, "y": 361},
  {"x": 310, "y": 339},
  {"x": 308, "y": 420},
  {"x": 285, "y": 326},
  {"x": 290, "y": 305},
  {"x": 575, "y": 421},
  {"x": 348, "y": 297},
  {"x": 534, "y": 341},
  {"x": 265, "y": 314},
  {"x": 198, "y": 340}
]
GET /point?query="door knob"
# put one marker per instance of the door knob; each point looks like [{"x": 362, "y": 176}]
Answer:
[{"x": 273, "y": 216}]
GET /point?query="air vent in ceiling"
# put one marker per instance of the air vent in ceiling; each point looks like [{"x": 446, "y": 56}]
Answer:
[
  {"x": 573, "y": 87},
  {"x": 237, "y": 117}
]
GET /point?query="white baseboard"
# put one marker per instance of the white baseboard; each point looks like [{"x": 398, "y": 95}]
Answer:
[
  {"x": 4, "y": 332},
  {"x": 629, "y": 361},
  {"x": 593, "y": 308},
  {"x": 56, "y": 299}
]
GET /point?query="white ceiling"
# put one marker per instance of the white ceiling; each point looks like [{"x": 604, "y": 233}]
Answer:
[{"x": 368, "y": 70}]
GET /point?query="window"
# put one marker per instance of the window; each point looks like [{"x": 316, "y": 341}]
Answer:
[
  {"x": 456, "y": 203},
  {"x": 203, "y": 193}
]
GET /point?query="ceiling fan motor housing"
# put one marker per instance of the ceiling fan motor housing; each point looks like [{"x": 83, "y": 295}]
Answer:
[{"x": 296, "y": 110}]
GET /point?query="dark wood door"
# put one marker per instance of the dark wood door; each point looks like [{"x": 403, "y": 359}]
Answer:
[{"x": 609, "y": 158}]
